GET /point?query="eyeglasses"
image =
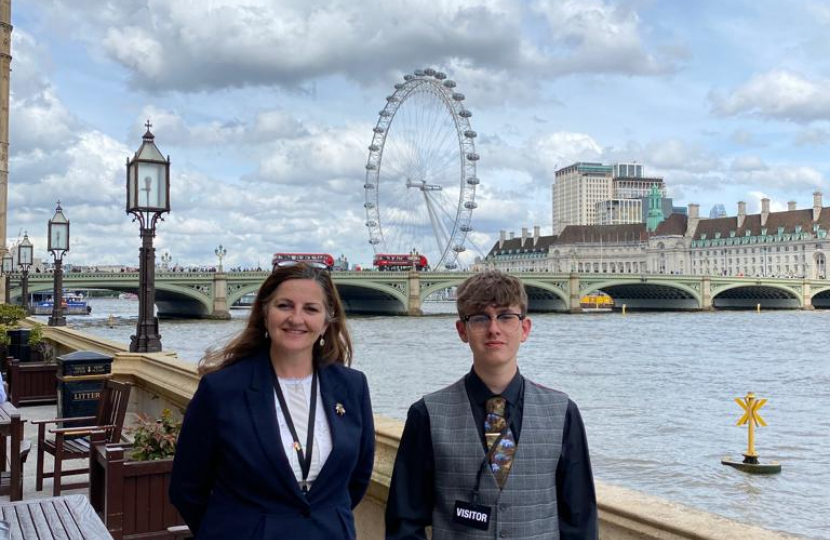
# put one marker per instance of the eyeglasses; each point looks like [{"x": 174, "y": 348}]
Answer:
[{"x": 509, "y": 322}]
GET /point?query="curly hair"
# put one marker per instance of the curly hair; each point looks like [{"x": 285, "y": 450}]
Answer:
[
  {"x": 338, "y": 343},
  {"x": 489, "y": 288}
]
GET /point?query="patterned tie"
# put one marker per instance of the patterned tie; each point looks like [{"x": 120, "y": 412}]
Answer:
[{"x": 494, "y": 424}]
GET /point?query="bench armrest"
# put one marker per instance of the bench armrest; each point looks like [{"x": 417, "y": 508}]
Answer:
[
  {"x": 59, "y": 420},
  {"x": 81, "y": 430}
]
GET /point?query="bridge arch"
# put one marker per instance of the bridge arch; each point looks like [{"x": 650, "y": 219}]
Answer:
[
  {"x": 439, "y": 285},
  {"x": 172, "y": 299},
  {"x": 358, "y": 295},
  {"x": 643, "y": 293},
  {"x": 749, "y": 295},
  {"x": 372, "y": 297},
  {"x": 544, "y": 296},
  {"x": 821, "y": 297}
]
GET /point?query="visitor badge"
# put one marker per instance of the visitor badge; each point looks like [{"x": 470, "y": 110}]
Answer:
[{"x": 467, "y": 514}]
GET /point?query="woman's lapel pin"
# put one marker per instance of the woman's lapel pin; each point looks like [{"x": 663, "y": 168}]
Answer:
[{"x": 339, "y": 409}]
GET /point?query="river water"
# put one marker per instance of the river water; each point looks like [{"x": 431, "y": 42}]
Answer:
[{"x": 655, "y": 390}]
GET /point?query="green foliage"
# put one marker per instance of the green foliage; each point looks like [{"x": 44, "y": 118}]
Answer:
[
  {"x": 10, "y": 314},
  {"x": 5, "y": 338},
  {"x": 36, "y": 335},
  {"x": 154, "y": 438}
]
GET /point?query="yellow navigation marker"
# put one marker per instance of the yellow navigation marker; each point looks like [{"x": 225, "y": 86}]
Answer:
[{"x": 752, "y": 419}]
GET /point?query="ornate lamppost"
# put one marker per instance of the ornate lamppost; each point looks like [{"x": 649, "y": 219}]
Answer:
[
  {"x": 8, "y": 268},
  {"x": 58, "y": 246},
  {"x": 165, "y": 260},
  {"x": 220, "y": 252},
  {"x": 148, "y": 197},
  {"x": 25, "y": 257}
]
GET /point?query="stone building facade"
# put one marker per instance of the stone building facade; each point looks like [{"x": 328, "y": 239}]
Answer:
[{"x": 791, "y": 243}]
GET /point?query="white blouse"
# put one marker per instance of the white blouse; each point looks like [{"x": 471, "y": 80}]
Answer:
[{"x": 298, "y": 392}]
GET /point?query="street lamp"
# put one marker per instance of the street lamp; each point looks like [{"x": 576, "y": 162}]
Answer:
[
  {"x": 165, "y": 260},
  {"x": 8, "y": 268},
  {"x": 58, "y": 246},
  {"x": 148, "y": 197},
  {"x": 25, "y": 257},
  {"x": 220, "y": 252}
]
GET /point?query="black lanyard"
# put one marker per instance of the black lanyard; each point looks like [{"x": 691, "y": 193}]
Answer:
[{"x": 303, "y": 457}]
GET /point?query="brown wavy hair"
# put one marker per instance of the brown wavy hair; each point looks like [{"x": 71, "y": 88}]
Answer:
[
  {"x": 489, "y": 288},
  {"x": 252, "y": 339}
]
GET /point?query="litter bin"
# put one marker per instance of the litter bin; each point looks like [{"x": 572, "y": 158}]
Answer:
[
  {"x": 19, "y": 347},
  {"x": 81, "y": 377}
]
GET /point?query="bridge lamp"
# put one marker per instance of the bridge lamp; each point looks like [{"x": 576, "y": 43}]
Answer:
[
  {"x": 25, "y": 258},
  {"x": 58, "y": 245},
  {"x": 148, "y": 197},
  {"x": 220, "y": 252},
  {"x": 8, "y": 268}
]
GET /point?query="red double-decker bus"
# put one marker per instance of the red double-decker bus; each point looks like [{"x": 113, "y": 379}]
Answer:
[
  {"x": 315, "y": 258},
  {"x": 399, "y": 261}
]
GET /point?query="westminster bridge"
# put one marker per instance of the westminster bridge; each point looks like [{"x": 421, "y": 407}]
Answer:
[{"x": 209, "y": 294}]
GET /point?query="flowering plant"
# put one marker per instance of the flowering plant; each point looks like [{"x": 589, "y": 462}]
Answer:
[{"x": 154, "y": 438}]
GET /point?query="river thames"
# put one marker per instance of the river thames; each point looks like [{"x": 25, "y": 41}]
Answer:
[{"x": 655, "y": 390}]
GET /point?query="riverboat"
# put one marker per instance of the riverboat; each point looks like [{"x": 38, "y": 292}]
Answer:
[
  {"x": 596, "y": 302},
  {"x": 73, "y": 304}
]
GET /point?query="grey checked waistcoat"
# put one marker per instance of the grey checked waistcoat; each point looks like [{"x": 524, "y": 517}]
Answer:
[{"x": 526, "y": 507}]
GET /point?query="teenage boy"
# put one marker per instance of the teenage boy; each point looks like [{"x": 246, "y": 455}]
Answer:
[{"x": 494, "y": 455}]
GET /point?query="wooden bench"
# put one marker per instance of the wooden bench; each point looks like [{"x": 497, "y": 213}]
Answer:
[{"x": 65, "y": 517}]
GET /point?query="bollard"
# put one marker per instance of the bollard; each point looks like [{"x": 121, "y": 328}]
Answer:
[
  {"x": 752, "y": 419},
  {"x": 758, "y": 308},
  {"x": 623, "y": 309}
]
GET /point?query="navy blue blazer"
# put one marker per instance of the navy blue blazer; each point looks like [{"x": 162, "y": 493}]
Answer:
[{"x": 231, "y": 478}]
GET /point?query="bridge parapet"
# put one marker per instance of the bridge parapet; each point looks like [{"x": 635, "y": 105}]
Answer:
[{"x": 209, "y": 294}]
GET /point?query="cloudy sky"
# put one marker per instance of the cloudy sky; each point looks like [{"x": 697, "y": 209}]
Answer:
[{"x": 266, "y": 108}]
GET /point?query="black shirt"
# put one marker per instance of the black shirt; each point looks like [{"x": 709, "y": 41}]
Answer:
[{"x": 411, "y": 498}]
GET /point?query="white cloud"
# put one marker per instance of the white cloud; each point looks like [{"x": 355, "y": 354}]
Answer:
[
  {"x": 748, "y": 163},
  {"x": 595, "y": 36},
  {"x": 780, "y": 95},
  {"x": 812, "y": 137},
  {"x": 674, "y": 154},
  {"x": 190, "y": 45}
]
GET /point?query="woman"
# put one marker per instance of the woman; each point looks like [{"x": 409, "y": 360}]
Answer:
[{"x": 278, "y": 440}]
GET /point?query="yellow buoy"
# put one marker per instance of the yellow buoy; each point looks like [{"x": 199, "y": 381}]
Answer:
[{"x": 752, "y": 419}]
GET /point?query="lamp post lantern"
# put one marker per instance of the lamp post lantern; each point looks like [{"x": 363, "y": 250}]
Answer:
[
  {"x": 25, "y": 258},
  {"x": 148, "y": 197},
  {"x": 58, "y": 246},
  {"x": 8, "y": 268},
  {"x": 220, "y": 252},
  {"x": 165, "y": 260}
]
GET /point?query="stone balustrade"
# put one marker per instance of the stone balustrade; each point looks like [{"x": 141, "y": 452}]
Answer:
[{"x": 163, "y": 381}]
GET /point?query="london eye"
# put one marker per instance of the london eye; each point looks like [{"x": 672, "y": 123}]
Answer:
[{"x": 421, "y": 171}]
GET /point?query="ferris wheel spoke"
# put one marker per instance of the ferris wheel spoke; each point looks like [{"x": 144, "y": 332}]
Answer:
[{"x": 441, "y": 237}]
